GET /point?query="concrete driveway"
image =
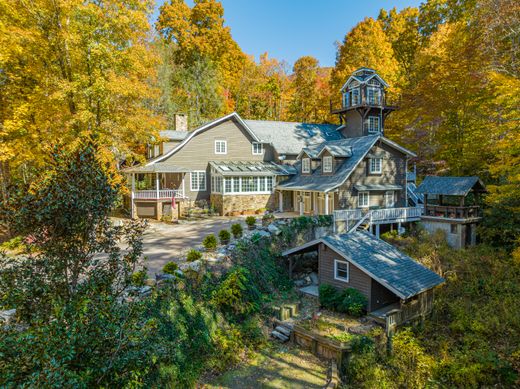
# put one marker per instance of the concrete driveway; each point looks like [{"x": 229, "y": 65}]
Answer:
[{"x": 169, "y": 242}]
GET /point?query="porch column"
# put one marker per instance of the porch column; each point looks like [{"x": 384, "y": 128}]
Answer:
[
  {"x": 314, "y": 203},
  {"x": 326, "y": 203},
  {"x": 157, "y": 185},
  {"x": 377, "y": 230},
  {"x": 280, "y": 201},
  {"x": 132, "y": 205},
  {"x": 158, "y": 204}
]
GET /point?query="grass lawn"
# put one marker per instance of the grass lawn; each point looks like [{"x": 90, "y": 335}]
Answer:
[{"x": 279, "y": 366}]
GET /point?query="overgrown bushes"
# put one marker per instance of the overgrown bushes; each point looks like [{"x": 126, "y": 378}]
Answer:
[{"x": 348, "y": 300}]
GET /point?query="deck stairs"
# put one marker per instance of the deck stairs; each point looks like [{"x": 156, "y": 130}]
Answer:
[
  {"x": 362, "y": 224},
  {"x": 283, "y": 331},
  {"x": 416, "y": 199}
]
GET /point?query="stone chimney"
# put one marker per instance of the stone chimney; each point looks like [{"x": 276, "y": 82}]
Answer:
[{"x": 181, "y": 122}]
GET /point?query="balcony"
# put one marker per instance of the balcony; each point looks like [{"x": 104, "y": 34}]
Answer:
[
  {"x": 379, "y": 102},
  {"x": 452, "y": 212},
  {"x": 161, "y": 194}
]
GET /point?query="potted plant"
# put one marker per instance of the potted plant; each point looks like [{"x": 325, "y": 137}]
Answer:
[
  {"x": 251, "y": 221},
  {"x": 210, "y": 242},
  {"x": 170, "y": 268},
  {"x": 224, "y": 237},
  {"x": 236, "y": 230},
  {"x": 194, "y": 255}
]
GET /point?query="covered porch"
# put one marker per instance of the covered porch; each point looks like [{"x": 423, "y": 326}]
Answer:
[
  {"x": 156, "y": 190},
  {"x": 305, "y": 202}
]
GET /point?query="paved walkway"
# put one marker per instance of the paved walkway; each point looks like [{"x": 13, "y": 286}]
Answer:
[{"x": 169, "y": 242}]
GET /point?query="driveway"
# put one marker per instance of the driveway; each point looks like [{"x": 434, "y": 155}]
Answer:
[{"x": 169, "y": 242}]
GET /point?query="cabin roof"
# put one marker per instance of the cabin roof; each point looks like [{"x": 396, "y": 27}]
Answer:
[
  {"x": 251, "y": 168},
  {"x": 292, "y": 137},
  {"x": 381, "y": 261},
  {"x": 454, "y": 186},
  {"x": 160, "y": 167}
]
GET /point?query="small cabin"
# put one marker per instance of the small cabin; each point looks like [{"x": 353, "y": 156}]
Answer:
[
  {"x": 397, "y": 288},
  {"x": 451, "y": 204}
]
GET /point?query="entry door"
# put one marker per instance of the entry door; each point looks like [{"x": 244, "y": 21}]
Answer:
[{"x": 389, "y": 199}]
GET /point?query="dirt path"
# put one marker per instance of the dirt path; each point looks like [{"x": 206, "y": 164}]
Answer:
[{"x": 279, "y": 367}]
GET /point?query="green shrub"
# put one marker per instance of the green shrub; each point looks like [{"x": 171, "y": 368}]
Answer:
[
  {"x": 224, "y": 236},
  {"x": 170, "y": 268},
  {"x": 139, "y": 278},
  {"x": 15, "y": 243},
  {"x": 237, "y": 295},
  {"x": 210, "y": 242},
  {"x": 328, "y": 296},
  {"x": 250, "y": 221},
  {"x": 236, "y": 230},
  {"x": 351, "y": 301},
  {"x": 194, "y": 255}
]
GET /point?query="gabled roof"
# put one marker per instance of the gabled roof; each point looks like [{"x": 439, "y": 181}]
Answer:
[
  {"x": 204, "y": 127},
  {"x": 358, "y": 149},
  {"x": 292, "y": 137},
  {"x": 454, "y": 186},
  {"x": 161, "y": 167},
  {"x": 251, "y": 168},
  {"x": 381, "y": 261},
  {"x": 337, "y": 150},
  {"x": 362, "y": 79}
]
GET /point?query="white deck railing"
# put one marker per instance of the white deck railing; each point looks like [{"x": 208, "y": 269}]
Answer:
[
  {"x": 154, "y": 194},
  {"x": 379, "y": 215}
]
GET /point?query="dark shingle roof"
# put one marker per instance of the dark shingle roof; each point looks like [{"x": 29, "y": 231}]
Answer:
[
  {"x": 381, "y": 261},
  {"x": 174, "y": 135},
  {"x": 324, "y": 183},
  {"x": 292, "y": 137},
  {"x": 455, "y": 186}
]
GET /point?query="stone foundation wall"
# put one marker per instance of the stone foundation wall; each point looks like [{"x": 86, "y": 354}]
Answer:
[{"x": 227, "y": 205}]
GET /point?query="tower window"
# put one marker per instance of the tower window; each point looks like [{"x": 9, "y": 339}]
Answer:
[
  {"x": 374, "y": 95},
  {"x": 372, "y": 124},
  {"x": 355, "y": 96}
]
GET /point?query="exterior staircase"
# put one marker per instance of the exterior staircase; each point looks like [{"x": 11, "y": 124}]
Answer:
[
  {"x": 416, "y": 199},
  {"x": 283, "y": 331}
]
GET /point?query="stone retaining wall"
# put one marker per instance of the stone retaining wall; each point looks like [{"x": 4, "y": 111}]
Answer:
[{"x": 227, "y": 205}]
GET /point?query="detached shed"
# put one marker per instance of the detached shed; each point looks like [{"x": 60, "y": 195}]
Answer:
[{"x": 389, "y": 279}]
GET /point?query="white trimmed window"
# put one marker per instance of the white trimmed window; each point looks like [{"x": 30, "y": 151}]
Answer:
[
  {"x": 306, "y": 165},
  {"x": 198, "y": 181},
  {"x": 341, "y": 270},
  {"x": 355, "y": 96},
  {"x": 374, "y": 95},
  {"x": 389, "y": 199},
  {"x": 376, "y": 165},
  {"x": 327, "y": 164},
  {"x": 220, "y": 147},
  {"x": 363, "y": 199},
  {"x": 258, "y": 148},
  {"x": 372, "y": 124}
]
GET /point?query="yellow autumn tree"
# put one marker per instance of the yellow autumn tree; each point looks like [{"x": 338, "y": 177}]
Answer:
[
  {"x": 199, "y": 32},
  {"x": 366, "y": 45},
  {"x": 73, "y": 68}
]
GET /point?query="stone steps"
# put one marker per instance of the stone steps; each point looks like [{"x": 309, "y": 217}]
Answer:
[{"x": 282, "y": 331}]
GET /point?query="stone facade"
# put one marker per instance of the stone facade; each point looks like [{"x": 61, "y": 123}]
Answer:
[
  {"x": 458, "y": 234},
  {"x": 227, "y": 205}
]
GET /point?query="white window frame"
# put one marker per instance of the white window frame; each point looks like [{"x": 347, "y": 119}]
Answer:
[
  {"x": 387, "y": 196},
  {"x": 376, "y": 95},
  {"x": 339, "y": 278},
  {"x": 361, "y": 195},
  {"x": 306, "y": 165},
  {"x": 373, "y": 168},
  {"x": 220, "y": 142},
  {"x": 373, "y": 129},
  {"x": 261, "y": 152},
  {"x": 327, "y": 164},
  {"x": 199, "y": 188}
]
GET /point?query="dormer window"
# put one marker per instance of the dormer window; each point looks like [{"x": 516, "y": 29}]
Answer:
[
  {"x": 372, "y": 124},
  {"x": 374, "y": 95},
  {"x": 327, "y": 164},
  {"x": 306, "y": 165}
]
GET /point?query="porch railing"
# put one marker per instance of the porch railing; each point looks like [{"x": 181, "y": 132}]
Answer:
[
  {"x": 154, "y": 194},
  {"x": 452, "y": 212},
  {"x": 378, "y": 215}
]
